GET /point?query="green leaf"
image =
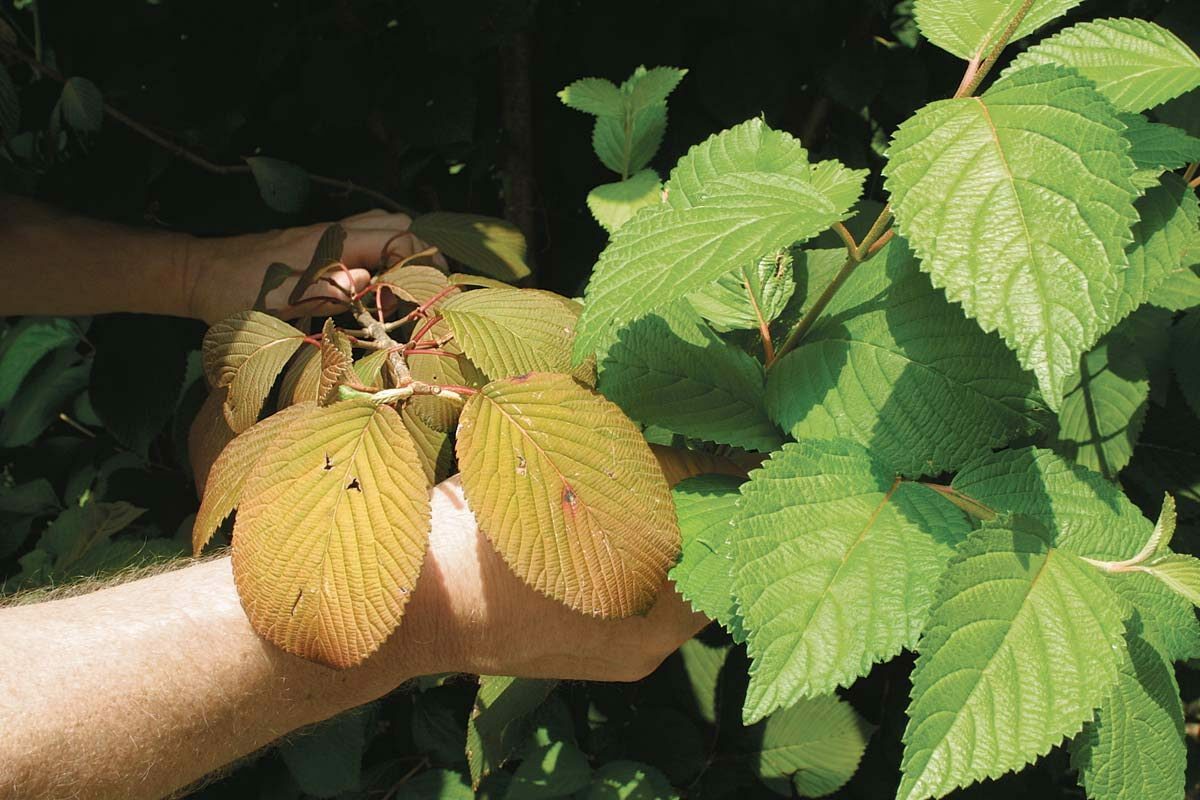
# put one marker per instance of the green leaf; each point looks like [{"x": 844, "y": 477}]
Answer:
[
  {"x": 748, "y": 297},
  {"x": 438, "y": 784},
  {"x": 492, "y": 246},
  {"x": 629, "y": 780},
  {"x": 1185, "y": 345},
  {"x": 499, "y": 720},
  {"x": 1158, "y": 147},
  {"x": 245, "y": 353},
  {"x": 613, "y": 204},
  {"x": 1133, "y": 62},
  {"x": 668, "y": 369},
  {"x": 749, "y": 147},
  {"x": 1090, "y": 517},
  {"x": 705, "y": 506},
  {"x": 894, "y": 366},
  {"x": 555, "y": 770},
  {"x": 656, "y": 259},
  {"x": 284, "y": 186},
  {"x": 704, "y": 665},
  {"x": 568, "y": 492},
  {"x": 508, "y": 332},
  {"x": 1168, "y": 214},
  {"x": 969, "y": 28},
  {"x": 28, "y": 342},
  {"x": 135, "y": 418},
  {"x": 1134, "y": 748},
  {"x": 814, "y": 745},
  {"x": 595, "y": 96},
  {"x": 1023, "y": 218},
  {"x": 835, "y": 565},
  {"x": 47, "y": 390},
  {"x": 81, "y": 105},
  {"x": 326, "y": 760},
  {"x": 1181, "y": 574},
  {"x": 1103, "y": 409},
  {"x": 1181, "y": 289},
  {"x": 1022, "y": 644},
  {"x": 228, "y": 475},
  {"x": 331, "y": 531},
  {"x": 626, "y": 143},
  {"x": 326, "y": 256}
]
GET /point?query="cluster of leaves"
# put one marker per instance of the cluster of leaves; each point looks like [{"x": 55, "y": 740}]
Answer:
[
  {"x": 963, "y": 391},
  {"x": 332, "y": 490}
]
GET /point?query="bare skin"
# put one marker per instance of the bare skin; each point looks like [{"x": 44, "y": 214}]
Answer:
[{"x": 140, "y": 689}]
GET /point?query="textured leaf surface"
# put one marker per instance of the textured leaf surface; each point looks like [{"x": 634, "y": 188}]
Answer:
[
  {"x": 1134, "y": 748},
  {"x": 414, "y": 283},
  {"x": 968, "y": 28},
  {"x": 227, "y": 477},
  {"x": 1181, "y": 289},
  {"x": 1154, "y": 145},
  {"x": 567, "y": 490},
  {"x": 499, "y": 720},
  {"x": 331, "y": 532},
  {"x": 668, "y": 369},
  {"x": 894, "y": 366},
  {"x": 705, "y": 506},
  {"x": 629, "y": 780},
  {"x": 658, "y": 258},
  {"x": 627, "y": 140},
  {"x": 1021, "y": 217},
  {"x": 490, "y": 245},
  {"x": 1104, "y": 408},
  {"x": 749, "y": 297},
  {"x": 612, "y": 204},
  {"x": 1168, "y": 214},
  {"x": 1022, "y": 644},
  {"x": 1179, "y": 573},
  {"x": 1089, "y": 516},
  {"x": 815, "y": 745},
  {"x": 835, "y": 565},
  {"x": 336, "y": 362},
  {"x": 245, "y": 353},
  {"x": 595, "y": 96},
  {"x": 207, "y": 437},
  {"x": 508, "y": 332},
  {"x": 1133, "y": 62},
  {"x": 553, "y": 770},
  {"x": 436, "y": 448}
]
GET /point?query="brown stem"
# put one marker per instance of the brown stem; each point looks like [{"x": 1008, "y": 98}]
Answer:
[
  {"x": 764, "y": 327},
  {"x": 847, "y": 237},
  {"x": 187, "y": 155},
  {"x": 994, "y": 55},
  {"x": 1193, "y": 183},
  {"x": 1191, "y": 171},
  {"x": 864, "y": 251},
  {"x": 379, "y": 333}
]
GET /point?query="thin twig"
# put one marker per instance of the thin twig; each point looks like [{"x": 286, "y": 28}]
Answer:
[
  {"x": 187, "y": 155},
  {"x": 1191, "y": 171},
  {"x": 994, "y": 56},
  {"x": 1193, "y": 183},
  {"x": 847, "y": 237}
]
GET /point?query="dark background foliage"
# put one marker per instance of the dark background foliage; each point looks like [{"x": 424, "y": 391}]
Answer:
[{"x": 423, "y": 101}]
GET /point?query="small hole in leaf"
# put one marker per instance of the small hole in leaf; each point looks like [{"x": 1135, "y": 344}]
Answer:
[
  {"x": 328, "y": 462},
  {"x": 295, "y": 605},
  {"x": 521, "y": 468},
  {"x": 354, "y": 484},
  {"x": 568, "y": 498}
]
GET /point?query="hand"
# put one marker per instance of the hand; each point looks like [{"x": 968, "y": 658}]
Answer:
[
  {"x": 225, "y": 275},
  {"x": 470, "y": 613}
]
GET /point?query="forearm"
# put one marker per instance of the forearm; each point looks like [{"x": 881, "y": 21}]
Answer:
[
  {"x": 57, "y": 263},
  {"x": 137, "y": 690}
]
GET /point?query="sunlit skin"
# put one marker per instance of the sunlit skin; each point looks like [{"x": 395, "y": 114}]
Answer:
[{"x": 139, "y": 689}]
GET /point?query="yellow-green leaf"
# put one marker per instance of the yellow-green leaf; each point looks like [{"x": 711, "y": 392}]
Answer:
[
  {"x": 568, "y": 492},
  {"x": 326, "y": 255},
  {"x": 513, "y": 331},
  {"x": 208, "y": 436},
  {"x": 233, "y": 466},
  {"x": 433, "y": 446},
  {"x": 331, "y": 532},
  {"x": 490, "y": 245},
  {"x": 245, "y": 352},
  {"x": 414, "y": 283},
  {"x": 336, "y": 360},
  {"x": 301, "y": 379}
]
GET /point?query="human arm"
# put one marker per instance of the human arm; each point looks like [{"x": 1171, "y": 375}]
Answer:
[
  {"x": 137, "y": 690},
  {"x": 61, "y": 264}
]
